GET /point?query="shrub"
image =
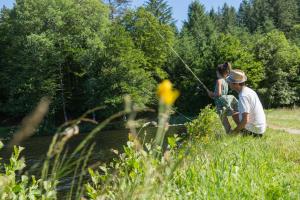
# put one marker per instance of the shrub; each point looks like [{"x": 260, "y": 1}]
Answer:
[
  {"x": 207, "y": 124},
  {"x": 13, "y": 186}
]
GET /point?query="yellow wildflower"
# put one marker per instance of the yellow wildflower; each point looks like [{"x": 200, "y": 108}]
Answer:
[{"x": 166, "y": 92}]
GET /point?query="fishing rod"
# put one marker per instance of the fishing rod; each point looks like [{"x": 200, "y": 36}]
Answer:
[{"x": 184, "y": 63}]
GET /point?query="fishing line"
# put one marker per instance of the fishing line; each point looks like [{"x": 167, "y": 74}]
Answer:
[
  {"x": 176, "y": 111},
  {"x": 186, "y": 66}
]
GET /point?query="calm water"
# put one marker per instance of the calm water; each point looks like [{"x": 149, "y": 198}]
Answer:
[{"x": 37, "y": 147}]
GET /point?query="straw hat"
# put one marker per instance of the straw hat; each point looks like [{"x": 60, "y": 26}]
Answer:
[{"x": 236, "y": 76}]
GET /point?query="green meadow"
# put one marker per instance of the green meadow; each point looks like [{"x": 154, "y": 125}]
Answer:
[
  {"x": 211, "y": 166},
  {"x": 287, "y": 118}
]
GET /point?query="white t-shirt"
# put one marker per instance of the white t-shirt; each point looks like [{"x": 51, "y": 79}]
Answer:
[{"x": 250, "y": 103}]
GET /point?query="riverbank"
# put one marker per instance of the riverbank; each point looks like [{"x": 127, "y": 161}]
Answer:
[
  {"x": 207, "y": 165},
  {"x": 233, "y": 168}
]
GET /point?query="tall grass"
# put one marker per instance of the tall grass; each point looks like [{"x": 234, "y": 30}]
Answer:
[
  {"x": 58, "y": 163},
  {"x": 241, "y": 168}
]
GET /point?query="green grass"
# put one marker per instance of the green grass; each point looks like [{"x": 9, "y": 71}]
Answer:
[
  {"x": 286, "y": 118},
  {"x": 204, "y": 167},
  {"x": 242, "y": 168},
  {"x": 232, "y": 167},
  {"x": 228, "y": 167}
]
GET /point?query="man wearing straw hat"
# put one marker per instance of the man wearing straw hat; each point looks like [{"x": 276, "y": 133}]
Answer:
[{"x": 252, "y": 119}]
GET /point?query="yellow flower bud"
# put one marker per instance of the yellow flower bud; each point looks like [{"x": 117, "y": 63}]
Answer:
[{"x": 166, "y": 93}]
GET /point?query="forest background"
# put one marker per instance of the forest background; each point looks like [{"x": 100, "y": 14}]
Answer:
[{"x": 85, "y": 54}]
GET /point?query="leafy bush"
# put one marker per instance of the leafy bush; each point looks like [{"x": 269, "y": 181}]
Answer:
[
  {"x": 207, "y": 124},
  {"x": 14, "y": 186},
  {"x": 128, "y": 176}
]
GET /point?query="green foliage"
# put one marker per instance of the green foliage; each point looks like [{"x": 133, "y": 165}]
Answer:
[
  {"x": 198, "y": 23},
  {"x": 226, "y": 19},
  {"x": 261, "y": 15},
  {"x": 82, "y": 55},
  {"x": 152, "y": 38},
  {"x": 281, "y": 62},
  {"x": 195, "y": 47},
  {"x": 294, "y": 35},
  {"x": 122, "y": 73},
  {"x": 161, "y": 10},
  {"x": 186, "y": 46},
  {"x": 50, "y": 44},
  {"x": 14, "y": 186},
  {"x": 285, "y": 14},
  {"x": 230, "y": 48},
  {"x": 117, "y": 7},
  {"x": 202, "y": 126}
]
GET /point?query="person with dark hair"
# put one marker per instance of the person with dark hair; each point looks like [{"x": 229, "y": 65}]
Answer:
[
  {"x": 252, "y": 119},
  {"x": 226, "y": 105}
]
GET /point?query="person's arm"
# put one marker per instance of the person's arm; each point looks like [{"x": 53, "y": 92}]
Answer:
[
  {"x": 218, "y": 92},
  {"x": 242, "y": 124}
]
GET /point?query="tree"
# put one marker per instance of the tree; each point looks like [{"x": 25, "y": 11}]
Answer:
[
  {"x": 227, "y": 19},
  {"x": 200, "y": 26},
  {"x": 229, "y": 48},
  {"x": 265, "y": 15},
  {"x": 213, "y": 15},
  {"x": 294, "y": 34},
  {"x": 120, "y": 72},
  {"x": 281, "y": 62},
  {"x": 285, "y": 14},
  {"x": 186, "y": 47},
  {"x": 4, "y": 37},
  {"x": 152, "y": 38},
  {"x": 161, "y": 10},
  {"x": 117, "y": 7},
  {"x": 50, "y": 43},
  {"x": 245, "y": 16},
  {"x": 197, "y": 20},
  {"x": 195, "y": 47}
]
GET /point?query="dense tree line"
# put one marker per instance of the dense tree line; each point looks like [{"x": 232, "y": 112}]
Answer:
[{"x": 89, "y": 53}]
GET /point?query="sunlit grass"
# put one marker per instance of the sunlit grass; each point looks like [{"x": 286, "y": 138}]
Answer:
[
  {"x": 206, "y": 165},
  {"x": 242, "y": 168},
  {"x": 231, "y": 167},
  {"x": 286, "y": 118},
  {"x": 224, "y": 167}
]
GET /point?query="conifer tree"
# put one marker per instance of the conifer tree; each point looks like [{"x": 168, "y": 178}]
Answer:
[
  {"x": 161, "y": 10},
  {"x": 117, "y": 7}
]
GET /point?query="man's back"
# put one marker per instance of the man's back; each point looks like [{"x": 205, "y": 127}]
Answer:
[{"x": 250, "y": 103}]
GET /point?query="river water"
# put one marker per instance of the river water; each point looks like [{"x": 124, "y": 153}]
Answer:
[{"x": 37, "y": 147}]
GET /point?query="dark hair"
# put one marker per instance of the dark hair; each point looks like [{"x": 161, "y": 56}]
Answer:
[{"x": 224, "y": 68}]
